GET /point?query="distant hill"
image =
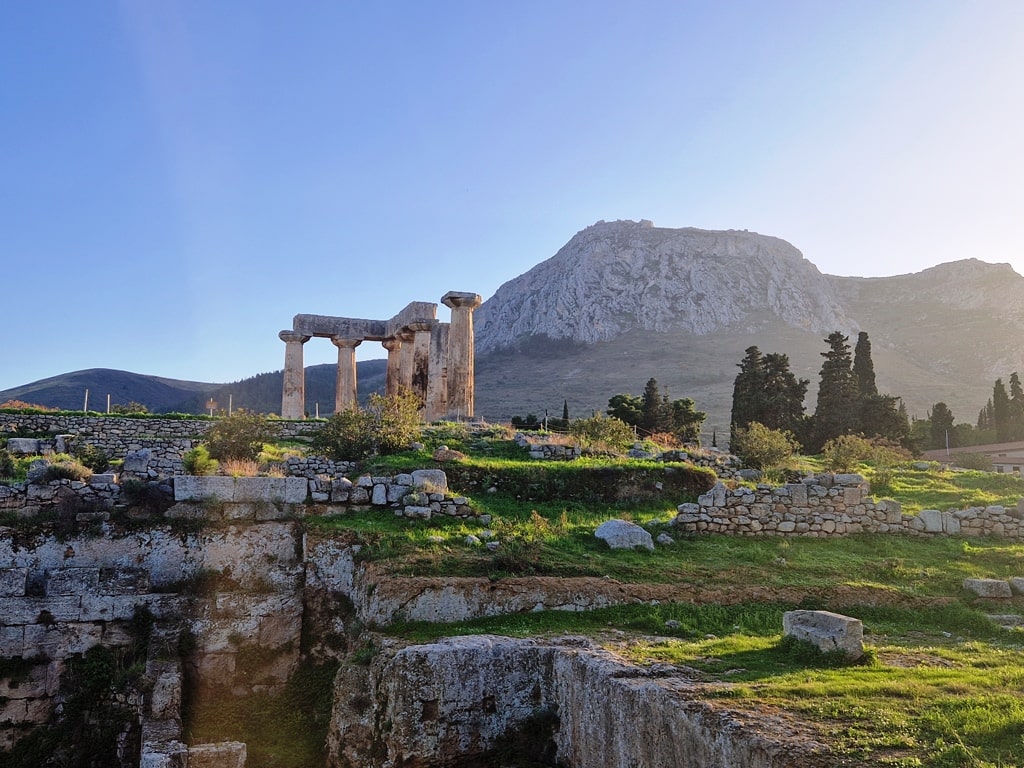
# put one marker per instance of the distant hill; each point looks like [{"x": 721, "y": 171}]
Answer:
[
  {"x": 625, "y": 301},
  {"x": 261, "y": 393}
]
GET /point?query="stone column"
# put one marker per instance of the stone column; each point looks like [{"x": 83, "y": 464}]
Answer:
[
  {"x": 437, "y": 383},
  {"x": 293, "y": 393},
  {"x": 405, "y": 337},
  {"x": 345, "y": 384},
  {"x": 421, "y": 361},
  {"x": 460, "y": 352},
  {"x": 394, "y": 371}
]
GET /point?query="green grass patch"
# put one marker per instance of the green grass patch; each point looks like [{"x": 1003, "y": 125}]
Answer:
[
  {"x": 944, "y": 489},
  {"x": 286, "y": 730}
]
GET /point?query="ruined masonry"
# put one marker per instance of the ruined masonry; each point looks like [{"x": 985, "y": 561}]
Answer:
[{"x": 434, "y": 360}]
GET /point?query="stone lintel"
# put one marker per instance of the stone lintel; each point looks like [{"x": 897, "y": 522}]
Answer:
[
  {"x": 456, "y": 299},
  {"x": 415, "y": 313},
  {"x": 325, "y": 326}
]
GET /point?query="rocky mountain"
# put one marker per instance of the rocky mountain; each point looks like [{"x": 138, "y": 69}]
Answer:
[{"x": 616, "y": 277}]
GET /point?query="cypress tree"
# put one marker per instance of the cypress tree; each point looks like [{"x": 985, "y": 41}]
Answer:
[
  {"x": 565, "y": 411},
  {"x": 941, "y": 428},
  {"x": 1000, "y": 411},
  {"x": 1016, "y": 409},
  {"x": 863, "y": 367},
  {"x": 782, "y": 400},
  {"x": 652, "y": 407},
  {"x": 836, "y": 410},
  {"x": 747, "y": 391}
]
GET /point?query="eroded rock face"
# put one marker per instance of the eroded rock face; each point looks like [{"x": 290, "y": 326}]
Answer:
[
  {"x": 431, "y": 705},
  {"x": 614, "y": 277}
]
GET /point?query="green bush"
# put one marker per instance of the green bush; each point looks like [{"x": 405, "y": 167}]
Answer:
[
  {"x": 843, "y": 453},
  {"x": 238, "y": 436},
  {"x": 198, "y": 462},
  {"x": 7, "y": 469},
  {"x": 387, "y": 425},
  {"x": 978, "y": 461},
  {"x": 93, "y": 457},
  {"x": 602, "y": 432},
  {"x": 763, "y": 448}
]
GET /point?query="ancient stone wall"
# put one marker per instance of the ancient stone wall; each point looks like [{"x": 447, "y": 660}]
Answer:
[{"x": 834, "y": 505}]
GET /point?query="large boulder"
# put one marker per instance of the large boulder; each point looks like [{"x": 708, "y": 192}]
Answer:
[
  {"x": 622, "y": 534},
  {"x": 826, "y": 630}
]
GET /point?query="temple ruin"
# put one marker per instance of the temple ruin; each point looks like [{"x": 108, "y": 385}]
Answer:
[{"x": 433, "y": 360}]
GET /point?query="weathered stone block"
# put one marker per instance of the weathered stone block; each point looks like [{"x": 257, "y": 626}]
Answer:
[
  {"x": 12, "y": 641},
  {"x": 990, "y": 588},
  {"x": 195, "y": 488},
  {"x": 622, "y": 534},
  {"x": 434, "y": 479},
  {"x": 1017, "y": 585},
  {"x": 826, "y": 630},
  {"x": 950, "y": 524},
  {"x": 931, "y": 519},
  {"x": 379, "y": 497},
  {"x": 287, "y": 490},
  {"x": 227, "y": 754},
  {"x": 23, "y": 445},
  {"x": 72, "y": 581},
  {"x": 164, "y": 702},
  {"x": 163, "y": 754},
  {"x": 12, "y": 582},
  {"x": 38, "y": 610}
]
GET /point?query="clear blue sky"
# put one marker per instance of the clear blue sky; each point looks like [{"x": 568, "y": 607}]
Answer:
[{"x": 180, "y": 178}]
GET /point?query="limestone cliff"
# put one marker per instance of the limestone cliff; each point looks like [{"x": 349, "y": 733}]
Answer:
[
  {"x": 456, "y": 699},
  {"x": 614, "y": 277}
]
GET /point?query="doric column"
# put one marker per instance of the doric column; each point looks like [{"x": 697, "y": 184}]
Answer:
[
  {"x": 406, "y": 337},
  {"x": 293, "y": 392},
  {"x": 421, "y": 361},
  {"x": 437, "y": 384},
  {"x": 345, "y": 386},
  {"x": 460, "y": 352},
  {"x": 392, "y": 381}
]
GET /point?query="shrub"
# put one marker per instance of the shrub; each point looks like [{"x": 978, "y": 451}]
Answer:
[
  {"x": 7, "y": 469},
  {"x": 241, "y": 467},
  {"x": 238, "y": 436},
  {"x": 65, "y": 469},
  {"x": 763, "y": 448},
  {"x": 842, "y": 454},
  {"x": 602, "y": 432},
  {"x": 198, "y": 462},
  {"x": 387, "y": 425},
  {"x": 93, "y": 457}
]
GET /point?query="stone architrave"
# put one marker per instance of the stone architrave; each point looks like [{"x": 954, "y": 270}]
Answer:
[
  {"x": 293, "y": 393},
  {"x": 460, "y": 352},
  {"x": 437, "y": 382},
  {"x": 392, "y": 381},
  {"x": 345, "y": 386}
]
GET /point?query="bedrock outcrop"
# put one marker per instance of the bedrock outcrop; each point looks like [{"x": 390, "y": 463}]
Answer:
[{"x": 444, "y": 703}]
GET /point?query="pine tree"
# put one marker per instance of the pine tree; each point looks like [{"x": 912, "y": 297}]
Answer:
[
  {"x": 836, "y": 411},
  {"x": 652, "y": 408},
  {"x": 863, "y": 367}
]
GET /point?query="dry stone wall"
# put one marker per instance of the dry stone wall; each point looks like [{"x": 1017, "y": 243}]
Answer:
[{"x": 834, "y": 505}]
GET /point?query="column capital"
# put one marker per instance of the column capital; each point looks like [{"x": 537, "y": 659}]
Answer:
[
  {"x": 461, "y": 300},
  {"x": 342, "y": 343},
  {"x": 392, "y": 343},
  {"x": 289, "y": 336}
]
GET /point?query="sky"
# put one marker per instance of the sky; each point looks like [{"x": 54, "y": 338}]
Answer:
[{"x": 179, "y": 179}]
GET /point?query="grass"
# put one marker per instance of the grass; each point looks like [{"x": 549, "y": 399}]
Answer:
[
  {"x": 943, "y": 489},
  {"x": 286, "y": 730}
]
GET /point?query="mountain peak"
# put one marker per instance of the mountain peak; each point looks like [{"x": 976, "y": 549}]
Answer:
[{"x": 614, "y": 277}]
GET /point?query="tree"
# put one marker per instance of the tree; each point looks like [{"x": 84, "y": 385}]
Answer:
[
  {"x": 782, "y": 395},
  {"x": 626, "y": 408},
  {"x": 653, "y": 407},
  {"x": 880, "y": 416},
  {"x": 863, "y": 367},
  {"x": 565, "y": 411},
  {"x": 1016, "y": 408},
  {"x": 1001, "y": 411},
  {"x": 747, "y": 390},
  {"x": 686, "y": 420},
  {"x": 941, "y": 429},
  {"x": 836, "y": 410},
  {"x": 387, "y": 425}
]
